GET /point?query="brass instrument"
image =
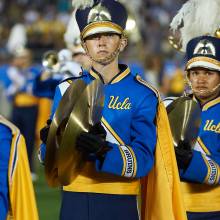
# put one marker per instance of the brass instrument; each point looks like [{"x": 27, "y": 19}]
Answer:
[
  {"x": 50, "y": 62},
  {"x": 79, "y": 109},
  {"x": 184, "y": 115}
]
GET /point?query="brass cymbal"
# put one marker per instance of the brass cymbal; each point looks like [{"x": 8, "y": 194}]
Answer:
[
  {"x": 58, "y": 123},
  {"x": 86, "y": 112},
  {"x": 185, "y": 117}
]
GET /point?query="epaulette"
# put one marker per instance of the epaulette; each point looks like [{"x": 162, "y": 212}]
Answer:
[{"x": 145, "y": 83}]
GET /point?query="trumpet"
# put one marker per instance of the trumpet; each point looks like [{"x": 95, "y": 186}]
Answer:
[{"x": 50, "y": 61}]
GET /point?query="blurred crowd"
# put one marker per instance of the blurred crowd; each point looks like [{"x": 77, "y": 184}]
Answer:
[{"x": 44, "y": 23}]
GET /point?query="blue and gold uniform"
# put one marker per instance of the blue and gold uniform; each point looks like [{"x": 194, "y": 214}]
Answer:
[
  {"x": 199, "y": 168},
  {"x": 107, "y": 188},
  {"x": 131, "y": 156},
  {"x": 200, "y": 187},
  {"x": 17, "y": 200},
  {"x": 129, "y": 120},
  {"x": 133, "y": 145},
  {"x": 206, "y": 159}
]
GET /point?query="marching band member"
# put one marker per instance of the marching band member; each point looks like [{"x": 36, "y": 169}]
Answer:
[
  {"x": 17, "y": 200},
  {"x": 121, "y": 149},
  {"x": 199, "y": 167}
]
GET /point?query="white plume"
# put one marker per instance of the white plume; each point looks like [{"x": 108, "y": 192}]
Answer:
[
  {"x": 82, "y": 4},
  {"x": 17, "y": 37},
  {"x": 196, "y": 18},
  {"x": 72, "y": 33}
]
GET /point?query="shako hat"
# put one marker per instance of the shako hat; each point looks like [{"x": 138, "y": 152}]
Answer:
[{"x": 100, "y": 16}]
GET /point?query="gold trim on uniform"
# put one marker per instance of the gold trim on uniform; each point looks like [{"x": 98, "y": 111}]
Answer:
[
  {"x": 210, "y": 104},
  {"x": 208, "y": 168},
  {"x": 135, "y": 161},
  {"x": 25, "y": 100},
  {"x": 114, "y": 134},
  {"x": 129, "y": 161},
  {"x": 101, "y": 24},
  {"x": 202, "y": 145},
  {"x": 218, "y": 176},
  {"x": 93, "y": 74},
  {"x": 205, "y": 59},
  {"x": 213, "y": 171},
  {"x": 69, "y": 81},
  {"x": 112, "y": 131},
  {"x": 121, "y": 76},
  {"x": 124, "y": 161},
  {"x": 142, "y": 81},
  {"x": 117, "y": 79},
  {"x": 196, "y": 196}
]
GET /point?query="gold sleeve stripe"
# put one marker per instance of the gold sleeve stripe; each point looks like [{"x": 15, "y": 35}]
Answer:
[
  {"x": 129, "y": 161},
  {"x": 124, "y": 161},
  {"x": 218, "y": 175},
  {"x": 208, "y": 168},
  {"x": 135, "y": 161},
  {"x": 114, "y": 134},
  {"x": 14, "y": 156},
  {"x": 202, "y": 145},
  {"x": 213, "y": 171}
]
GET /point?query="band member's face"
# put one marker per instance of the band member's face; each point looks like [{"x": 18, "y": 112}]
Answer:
[
  {"x": 104, "y": 46},
  {"x": 204, "y": 82}
]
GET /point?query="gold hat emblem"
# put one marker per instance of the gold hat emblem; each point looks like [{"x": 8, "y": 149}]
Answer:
[{"x": 99, "y": 13}]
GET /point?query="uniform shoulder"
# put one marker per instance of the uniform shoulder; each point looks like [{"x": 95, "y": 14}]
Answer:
[
  {"x": 6, "y": 128},
  {"x": 148, "y": 86}
]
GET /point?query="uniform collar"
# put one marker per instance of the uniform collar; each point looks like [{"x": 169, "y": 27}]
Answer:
[
  {"x": 124, "y": 71},
  {"x": 211, "y": 103},
  {"x": 208, "y": 104}
]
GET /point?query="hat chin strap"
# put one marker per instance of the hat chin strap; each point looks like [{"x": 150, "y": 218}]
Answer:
[
  {"x": 107, "y": 60},
  {"x": 204, "y": 92}
]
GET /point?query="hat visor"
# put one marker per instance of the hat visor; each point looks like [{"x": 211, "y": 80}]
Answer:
[
  {"x": 207, "y": 64},
  {"x": 102, "y": 27}
]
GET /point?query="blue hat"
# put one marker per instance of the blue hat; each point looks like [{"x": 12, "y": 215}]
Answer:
[
  {"x": 103, "y": 17},
  {"x": 203, "y": 52}
]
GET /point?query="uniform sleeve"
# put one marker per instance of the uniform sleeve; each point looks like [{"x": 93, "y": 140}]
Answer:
[
  {"x": 136, "y": 159},
  {"x": 5, "y": 146},
  {"x": 45, "y": 88},
  {"x": 208, "y": 167}
]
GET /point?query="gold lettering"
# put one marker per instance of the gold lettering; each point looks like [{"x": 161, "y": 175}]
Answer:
[
  {"x": 213, "y": 127},
  {"x": 112, "y": 102},
  {"x": 209, "y": 126},
  {"x": 116, "y": 104},
  {"x": 206, "y": 125},
  {"x": 124, "y": 103}
]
